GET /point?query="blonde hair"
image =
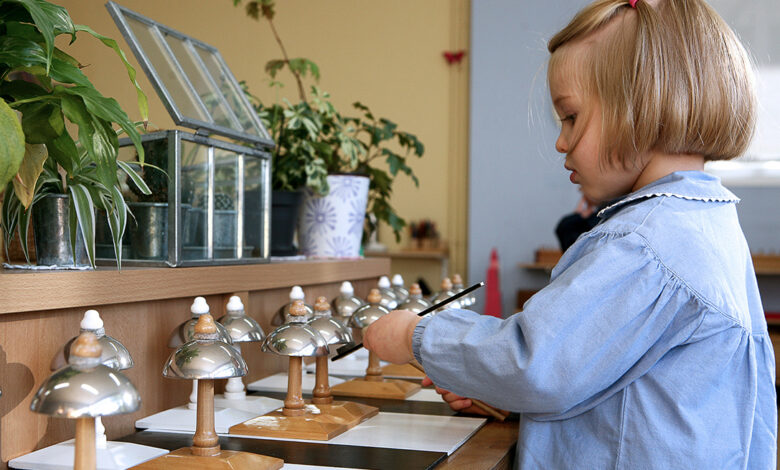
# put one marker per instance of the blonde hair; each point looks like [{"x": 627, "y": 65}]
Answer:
[{"x": 671, "y": 77}]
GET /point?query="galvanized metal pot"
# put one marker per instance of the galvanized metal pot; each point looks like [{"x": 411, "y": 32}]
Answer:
[
  {"x": 149, "y": 230},
  {"x": 51, "y": 229}
]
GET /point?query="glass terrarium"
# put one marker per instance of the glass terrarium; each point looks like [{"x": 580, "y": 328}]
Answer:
[
  {"x": 222, "y": 194},
  {"x": 210, "y": 198}
]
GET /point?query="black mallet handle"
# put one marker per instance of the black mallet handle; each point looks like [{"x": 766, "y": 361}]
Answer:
[{"x": 347, "y": 350}]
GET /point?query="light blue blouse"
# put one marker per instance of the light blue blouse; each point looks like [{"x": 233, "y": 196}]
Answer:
[{"x": 648, "y": 349}]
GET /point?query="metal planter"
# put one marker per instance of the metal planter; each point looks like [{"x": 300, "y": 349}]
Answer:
[{"x": 51, "y": 229}]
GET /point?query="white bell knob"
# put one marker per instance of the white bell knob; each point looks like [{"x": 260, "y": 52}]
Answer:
[
  {"x": 100, "y": 434},
  {"x": 199, "y": 306},
  {"x": 384, "y": 282},
  {"x": 398, "y": 280},
  {"x": 296, "y": 293},
  {"x": 193, "y": 404},
  {"x": 234, "y": 389},
  {"x": 346, "y": 288},
  {"x": 235, "y": 304},
  {"x": 91, "y": 320}
]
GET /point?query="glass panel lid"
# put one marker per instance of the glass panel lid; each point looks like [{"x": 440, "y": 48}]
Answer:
[{"x": 192, "y": 79}]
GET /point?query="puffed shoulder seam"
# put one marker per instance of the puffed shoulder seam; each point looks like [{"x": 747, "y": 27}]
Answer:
[
  {"x": 604, "y": 233},
  {"x": 687, "y": 287}
]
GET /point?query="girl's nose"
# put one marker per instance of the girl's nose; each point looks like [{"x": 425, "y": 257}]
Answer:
[{"x": 561, "y": 145}]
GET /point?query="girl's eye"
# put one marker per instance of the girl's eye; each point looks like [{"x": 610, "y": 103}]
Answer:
[{"x": 570, "y": 118}]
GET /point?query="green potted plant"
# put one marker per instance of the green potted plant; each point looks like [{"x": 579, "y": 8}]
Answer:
[
  {"x": 332, "y": 156},
  {"x": 45, "y": 173}
]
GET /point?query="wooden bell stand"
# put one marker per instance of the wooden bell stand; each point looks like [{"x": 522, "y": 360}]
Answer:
[
  {"x": 348, "y": 412},
  {"x": 374, "y": 385},
  {"x": 402, "y": 370},
  {"x": 296, "y": 420},
  {"x": 205, "y": 452},
  {"x": 85, "y": 452}
]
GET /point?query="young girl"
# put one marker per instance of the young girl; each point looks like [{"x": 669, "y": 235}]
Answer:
[{"x": 649, "y": 347}]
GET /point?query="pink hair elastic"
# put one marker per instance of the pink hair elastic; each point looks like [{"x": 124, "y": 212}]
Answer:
[{"x": 633, "y": 3}]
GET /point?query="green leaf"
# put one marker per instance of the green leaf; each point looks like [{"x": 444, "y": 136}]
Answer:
[
  {"x": 143, "y": 103},
  {"x": 18, "y": 52},
  {"x": 65, "y": 72},
  {"x": 65, "y": 57},
  {"x": 29, "y": 170},
  {"x": 105, "y": 108},
  {"x": 388, "y": 127},
  {"x": 10, "y": 216},
  {"x": 252, "y": 9},
  {"x": 314, "y": 69},
  {"x": 11, "y": 143},
  {"x": 63, "y": 150},
  {"x": 41, "y": 122},
  {"x": 134, "y": 176},
  {"x": 272, "y": 67},
  {"x": 364, "y": 108},
  {"x": 97, "y": 137},
  {"x": 21, "y": 89},
  {"x": 24, "y": 31},
  {"x": 301, "y": 66},
  {"x": 60, "y": 19},
  {"x": 395, "y": 162},
  {"x": 51, "y": 20},
  {"x": 82, "y": 209},
  {"x": 10, "y": 12},
  {"x": 117, "y": 222},
  {"x": 25, "y": 215}
]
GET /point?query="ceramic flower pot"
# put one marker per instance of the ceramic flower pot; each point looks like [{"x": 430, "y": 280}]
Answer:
[{"x": 331, "y": 226}]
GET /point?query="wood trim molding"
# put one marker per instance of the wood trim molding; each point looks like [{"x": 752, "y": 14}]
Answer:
[
  {"x": 458, "y": 151},
  {"x": 27, "y": 291}
]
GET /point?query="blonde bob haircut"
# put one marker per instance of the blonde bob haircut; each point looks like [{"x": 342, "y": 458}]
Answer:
[{"x": 670, "y": 77}]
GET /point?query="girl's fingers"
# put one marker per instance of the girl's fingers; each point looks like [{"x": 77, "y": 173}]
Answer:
[{"x": 460, "y": 404}]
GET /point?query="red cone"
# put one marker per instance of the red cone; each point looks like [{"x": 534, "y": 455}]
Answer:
[{"x": 493, "y": 287}]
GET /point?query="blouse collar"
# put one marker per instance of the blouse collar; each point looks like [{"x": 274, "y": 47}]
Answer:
[{"x": 689, "y": 185}]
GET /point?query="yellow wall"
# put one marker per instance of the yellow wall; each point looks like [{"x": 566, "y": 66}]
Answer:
[{"x": 386, "y": 54}]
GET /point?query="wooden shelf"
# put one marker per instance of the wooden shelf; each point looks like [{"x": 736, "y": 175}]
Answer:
[
  {"x": 537, "y": 266},
  {"x": 764, "y": 265},
  {"x": 410, "y": 254},
  {"x": 25, "y": 291},
  {"x": 768, "y": 265}
]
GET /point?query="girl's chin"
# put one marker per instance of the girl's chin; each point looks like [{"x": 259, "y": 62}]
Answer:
[{"x": 593, "y": 199}]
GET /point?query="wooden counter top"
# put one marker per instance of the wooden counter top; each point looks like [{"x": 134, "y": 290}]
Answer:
[{"x": 26, "y": 291}]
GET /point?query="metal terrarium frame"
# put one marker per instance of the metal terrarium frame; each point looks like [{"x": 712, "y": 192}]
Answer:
[{"x": 200, "y": 92}]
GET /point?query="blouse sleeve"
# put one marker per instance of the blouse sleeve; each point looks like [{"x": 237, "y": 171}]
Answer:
[{"x": 607, "y": 316}]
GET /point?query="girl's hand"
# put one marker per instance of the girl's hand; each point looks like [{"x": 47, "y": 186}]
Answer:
[
  {"x": 390, "y": 337},
  {"x": 458, "y": 403}
]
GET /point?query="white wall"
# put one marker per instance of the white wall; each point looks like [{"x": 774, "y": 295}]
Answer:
[{"x": 518, "y": 186}]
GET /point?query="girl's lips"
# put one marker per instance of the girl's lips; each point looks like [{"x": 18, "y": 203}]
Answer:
[{"x": 572, "y": 175}]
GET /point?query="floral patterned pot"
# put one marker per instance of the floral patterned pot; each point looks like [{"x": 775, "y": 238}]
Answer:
[{"x": 331, "y": 226}]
